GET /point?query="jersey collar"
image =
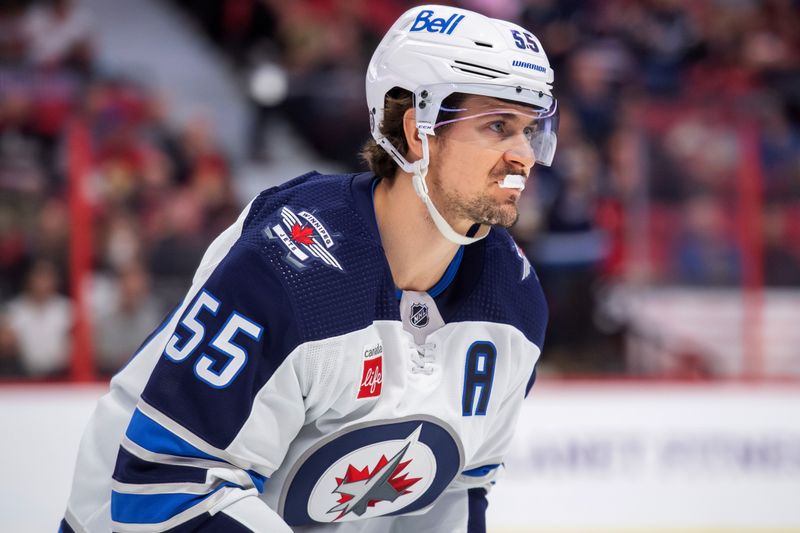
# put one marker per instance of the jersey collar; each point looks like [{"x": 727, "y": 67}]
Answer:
[{"x": 363, "y": 195}]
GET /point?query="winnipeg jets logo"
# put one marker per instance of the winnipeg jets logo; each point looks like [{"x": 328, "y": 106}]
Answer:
[
  {"x": 378, "y": 468},
  {"x": 305, "y": 237},
  {"x": 360, "y": 489},
  {"x": 419, "y": 315}
]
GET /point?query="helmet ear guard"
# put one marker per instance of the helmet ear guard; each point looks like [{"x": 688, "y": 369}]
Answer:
[{"x": 376, "y": 118}]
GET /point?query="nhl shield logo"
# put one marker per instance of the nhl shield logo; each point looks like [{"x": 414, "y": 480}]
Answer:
[
  {"x": 305, "y": 238},
  {"x": 419, "y": 315}
]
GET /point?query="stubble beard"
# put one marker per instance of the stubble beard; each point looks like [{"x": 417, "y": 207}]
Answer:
[{"x": 482, "y": 209}]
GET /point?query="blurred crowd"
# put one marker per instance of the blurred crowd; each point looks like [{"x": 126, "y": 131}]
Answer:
[
  {"x": 157, "y": 194},
  {"x": 678, "y": 159},
  {"x": 679, "y": 144}
]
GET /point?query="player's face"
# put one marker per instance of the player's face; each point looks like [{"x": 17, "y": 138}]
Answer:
[{"x": 472, "y": 156}]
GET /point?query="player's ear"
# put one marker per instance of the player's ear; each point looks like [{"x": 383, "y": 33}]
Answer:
[{"x": 412, "y": 135}]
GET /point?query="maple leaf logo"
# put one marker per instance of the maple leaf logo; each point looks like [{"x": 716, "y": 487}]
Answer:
[
  {"x": 302, "y": 235},
  {"x": 362, "y": 488},
  {"x": 399, "y": 483}
]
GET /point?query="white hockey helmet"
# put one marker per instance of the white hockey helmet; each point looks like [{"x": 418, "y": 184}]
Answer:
[{"x": 434, "y": 51}]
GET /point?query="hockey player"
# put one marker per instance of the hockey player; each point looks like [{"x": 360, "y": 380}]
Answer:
[{"x": 354, "y": 350}]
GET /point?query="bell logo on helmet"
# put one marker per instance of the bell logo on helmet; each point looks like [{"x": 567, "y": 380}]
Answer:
[{"x": 435, "y": 25}]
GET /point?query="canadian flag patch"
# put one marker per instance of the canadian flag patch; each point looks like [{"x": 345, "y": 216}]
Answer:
[{"x": 371, "y": 372}]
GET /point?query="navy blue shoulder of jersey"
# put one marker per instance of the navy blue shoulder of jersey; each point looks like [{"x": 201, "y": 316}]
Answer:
[
  {"x": 240, "y": 288},
  {"x": 318, "y": 235},
  {"x": 495, "y": 283},
  {"x": 307, "y": 266}
]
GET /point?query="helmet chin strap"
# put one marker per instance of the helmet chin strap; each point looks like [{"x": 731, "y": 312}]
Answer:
[{"x": 420, "y": 171}]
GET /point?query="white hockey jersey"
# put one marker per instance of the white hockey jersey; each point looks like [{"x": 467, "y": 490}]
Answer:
[{"x": 295, "y": 387}]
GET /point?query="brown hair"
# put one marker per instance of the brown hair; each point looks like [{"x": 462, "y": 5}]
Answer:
[
  {"x": 397, "y": 102},
  {"x": 379, "y": 161}
]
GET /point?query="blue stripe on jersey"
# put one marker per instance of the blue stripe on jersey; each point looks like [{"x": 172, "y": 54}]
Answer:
[
  {"x": 449, "y": 274},
  {"x": 153, "y": 508},
  {"x": 137, "y": 471},
  {"x": 480, "y": 471},
  {"x": 152, "y": 436},
  {"x": 258, "y": 480},
  {"x": 64, "y": 527}
]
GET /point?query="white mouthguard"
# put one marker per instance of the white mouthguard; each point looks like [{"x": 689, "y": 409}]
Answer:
[{"x": 513, "y": 181}]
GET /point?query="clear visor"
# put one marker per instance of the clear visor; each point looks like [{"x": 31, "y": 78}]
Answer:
[{"x": 501, "y": 125}]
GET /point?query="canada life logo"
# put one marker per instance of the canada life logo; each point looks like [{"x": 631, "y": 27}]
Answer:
[
  {"x": 426, "y": 22},
  {"x": 371, "y": 372}
]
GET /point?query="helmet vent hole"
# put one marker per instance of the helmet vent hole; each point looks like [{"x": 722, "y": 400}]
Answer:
[
  {"x": 479, "y": 74},
  {"x": 485, "y": 45},
  {"x": 478, "y": 70}
]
